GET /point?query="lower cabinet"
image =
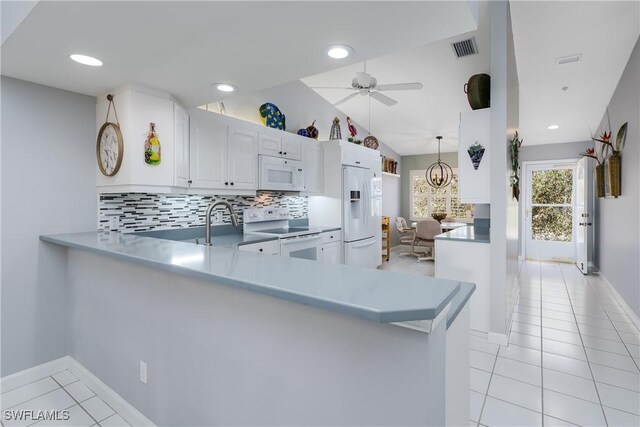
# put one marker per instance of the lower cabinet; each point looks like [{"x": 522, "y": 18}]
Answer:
[
  {"x": 271, "y": 247},
  {"x": 332, "y": 253}
]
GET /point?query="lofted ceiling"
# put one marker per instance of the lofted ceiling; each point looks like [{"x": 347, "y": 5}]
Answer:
[
  {"x": 604, "y": 32},
  {"x": 410, "y": 127},
  {"x": 183, "y": 47}
]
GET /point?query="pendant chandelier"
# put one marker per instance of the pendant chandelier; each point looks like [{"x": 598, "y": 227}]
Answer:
[{"x": 439, "y": 174}]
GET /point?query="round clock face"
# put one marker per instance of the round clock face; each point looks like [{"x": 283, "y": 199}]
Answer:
[{"x": 109, "y": 149}]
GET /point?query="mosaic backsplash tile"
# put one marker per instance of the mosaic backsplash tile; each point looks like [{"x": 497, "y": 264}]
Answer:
[{"x": 146, "y": 211}]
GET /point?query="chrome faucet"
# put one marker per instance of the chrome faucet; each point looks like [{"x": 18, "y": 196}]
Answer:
[{"x": 234, "y": 219}]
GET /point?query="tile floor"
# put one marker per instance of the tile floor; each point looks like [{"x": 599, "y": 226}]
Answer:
[
  {"x": 573, "y": 357},
  {"x": 407, "y": 264},
  {"x": 62, "y": 391}
]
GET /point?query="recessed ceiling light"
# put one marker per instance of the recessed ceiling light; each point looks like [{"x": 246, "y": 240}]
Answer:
[
  {"x": 86, "y": 60},
  {"x": 225, "y": 87},
  {"x": 553, "y": 127},
  {"x": 339, "y": 51}
]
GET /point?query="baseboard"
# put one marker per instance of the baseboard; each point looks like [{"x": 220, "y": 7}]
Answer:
[
  {"x": 496, "y": 338},
  {"x": 632, "y": 315},
  {"x": 112, "y": 398}
]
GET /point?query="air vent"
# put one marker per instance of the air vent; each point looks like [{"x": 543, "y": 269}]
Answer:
[
  {"x": 569, "y": 59},
  {"x": 465, "y": 47}
]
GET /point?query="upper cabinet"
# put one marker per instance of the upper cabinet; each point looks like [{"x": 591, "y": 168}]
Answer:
[
  {"x": 474, "y": 156},
  {"x": 312, "y": 165},
  {"x": 137, "y": 108},
  {"x": 242, "y": 157},
  {"x": 280, "y": 144}
]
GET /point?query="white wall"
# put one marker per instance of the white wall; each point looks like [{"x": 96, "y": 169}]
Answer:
[
  {"x": 48, "y": 186},
  {"x": 618, "y": 228}
]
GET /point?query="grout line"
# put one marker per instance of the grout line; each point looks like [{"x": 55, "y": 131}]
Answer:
[
  {"x": 484, "y": 401},
  {"x": 77, "y": 403},
  {"x": 30, "y": 399},
  {"x": 541, "y": 346}
]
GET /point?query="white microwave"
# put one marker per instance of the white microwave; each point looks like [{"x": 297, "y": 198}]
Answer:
[{"x": 280, "y": 174}]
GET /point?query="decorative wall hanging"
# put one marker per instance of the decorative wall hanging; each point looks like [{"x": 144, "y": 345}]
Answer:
[
  {"x": 613, "y": 161},
  {"x": 271, "y": 116},
  {"x": 439, "y": 174},
  {"x": 109, "y": 144},
  {"x": 313, "y": 131},
  {"x": 476, "y": 151},
  {"x": 335, "y": 133},
  {"x": 152, "y": 154},
  {"x": 591, "y": 152},
  {"x": 516, "y": 143},
  {"x": 478, "y": 91}
]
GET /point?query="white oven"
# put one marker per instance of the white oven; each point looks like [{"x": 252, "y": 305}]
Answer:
[
  {"x": 307, "y": 246},
  {"x": 280, "y": 174}
]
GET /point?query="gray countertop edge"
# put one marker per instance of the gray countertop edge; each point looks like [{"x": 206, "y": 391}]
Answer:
[
  {"x": 459, "y": 301},
  {"x": 462, "y": 235},
  {"x": 342, "y": 308}
]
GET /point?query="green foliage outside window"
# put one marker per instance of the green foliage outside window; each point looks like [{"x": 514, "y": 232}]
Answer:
[
  {"x": 426, "y": 199},
  {"x": 552, "y": 211}
]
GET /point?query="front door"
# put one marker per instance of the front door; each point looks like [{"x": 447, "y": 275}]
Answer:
[{"x": 550, "y": 211}]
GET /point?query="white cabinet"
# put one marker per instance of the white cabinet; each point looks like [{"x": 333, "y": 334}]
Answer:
[
  {"x": 352, "y": 155},
  {"x": 271, "y": 247},
  {"x": 181, "y": 141},
  {"x": 332, "y": 253},
  {"x": 280, "y": 144},
  {"x": 312, "y": 165},
  {"x": 473, "y": 178},
  {"x": 223, "y": 156}
]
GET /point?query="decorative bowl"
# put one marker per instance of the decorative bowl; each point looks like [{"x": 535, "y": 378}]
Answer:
[{"x": 438, "y": 216}]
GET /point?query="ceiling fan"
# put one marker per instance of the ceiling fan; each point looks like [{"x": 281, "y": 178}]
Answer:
[{"x": 365, "y": 84}]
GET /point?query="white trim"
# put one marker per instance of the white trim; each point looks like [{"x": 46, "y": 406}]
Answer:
[
  {"x": 634, "y": 317},
  {"x": 496, "y": 338},
  {"x": 111, "y": 398}
]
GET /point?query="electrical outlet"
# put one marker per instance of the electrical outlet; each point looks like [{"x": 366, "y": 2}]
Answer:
[
  {"x": 218, "y": 217},
  {"x": 114, "y": 223},
  {"x": 143, "y": 372}
]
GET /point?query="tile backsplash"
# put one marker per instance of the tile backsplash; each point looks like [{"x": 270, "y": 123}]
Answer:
[{"x": 146, "y": 211}]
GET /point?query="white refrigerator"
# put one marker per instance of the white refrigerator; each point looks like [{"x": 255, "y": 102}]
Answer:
[{"x": 362, "y": 207}]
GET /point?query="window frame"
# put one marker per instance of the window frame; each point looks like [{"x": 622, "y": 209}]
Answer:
[{"x": 429, "y": 195}]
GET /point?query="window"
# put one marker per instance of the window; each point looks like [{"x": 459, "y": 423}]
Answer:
[{"x": 425, "y": 199}]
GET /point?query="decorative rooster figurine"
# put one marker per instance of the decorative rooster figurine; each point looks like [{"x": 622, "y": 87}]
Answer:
[{"x": 351, "y": 127}]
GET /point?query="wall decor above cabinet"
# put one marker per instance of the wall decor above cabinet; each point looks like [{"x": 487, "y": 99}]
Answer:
[
  {"x": 272, "y": 117},
  {"x": 109, "y": 144}
]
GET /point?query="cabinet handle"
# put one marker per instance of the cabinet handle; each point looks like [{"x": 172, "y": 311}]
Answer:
[
  {"x": 232, "y": 183},
  {"x": 331, "y": 237},
  {"x": 285, "y": 153},
  {"x": 261, "y": 249},
  {"x": 357, "y": 163},
  {"x": 190, "y": 182},
  {"x": 279, "y": 152},
  {"x": 226, "y": 183}
]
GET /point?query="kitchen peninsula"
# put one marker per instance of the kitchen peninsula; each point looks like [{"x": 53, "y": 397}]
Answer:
[{"x": 205, "y": 320}]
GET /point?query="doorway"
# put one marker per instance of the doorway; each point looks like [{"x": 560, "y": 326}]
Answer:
[{"x": 549, "y": 214}]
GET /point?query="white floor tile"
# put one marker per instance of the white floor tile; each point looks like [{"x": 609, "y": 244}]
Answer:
[
  {"x": 594, "y": 331},
  {"x": 54, "y": 400},
  {"x": 65, "y": 377},
  {"x": 591, "y": 312},
  {"x": 521, "y": 371},
  {"x": 117, "y": 421},
  {"x": 621, "y": 419},
  {"x": 77, "y": 418},
  {"x": 556, "y": 299},
  {"x": 626, "y": 327},
  {"x": 527, "y": 310},
  {"x": 594, "y": 321},
  {"x": 521, "y": 354},
  {"x": 616, "y": 377},
  {"x": 480, "y": 360},
  {"x": 634, "y": 350},
  {"x": 605, "y": 345},
  {"x": 79, "y": 391},
  {"x": 566, "y": 365},
  {"x": 572, "y": 409},
  {"x": 564, "y": 349},
  {"x": 479, "y": 380},
  {"x": 628, "y": 338},
  {"x": 476, "y": 401},
  {"x": 554, "y": 422},
  {"x": 570, "y": 384},
  {"x": 560, "y": 315},
  {"x": 27, "y": 392},
  {"x": 482, "y": 344},
  {"x": 612, "y": 360},
  {"x": 620, "y": 317},
  {"x": 524, "y": 340},
  {"x": 527, "y": 318},
  {"x": 563, "y": 325},
  {"x": 97, "y": 408},
  {"x": 516, "y": 392},
  {"x": 525, "y": 328},
  {"x": 529, "y": 302},
  {"x": 498, "y": 413},
  {"x": 619, "y": 398},
  {"x": 563, "y": 336},
  {"x": 557, "y": 307}
]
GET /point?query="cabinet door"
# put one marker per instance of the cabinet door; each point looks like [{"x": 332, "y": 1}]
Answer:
[
  {"x": 291, "y": 146},
  {"x": 208, "y": 149},
  {"x": 243, "y": 158},
  {"x": 270, "y": 144},
  {"x": 351, "y": 155},
  {"x": 332, "y": 253},
  {"x": 271, "y": 247},
  {"x": 181, "y": 140},
  {"x": 312, "y": 165},
  {"x": 474, "y": 183}
]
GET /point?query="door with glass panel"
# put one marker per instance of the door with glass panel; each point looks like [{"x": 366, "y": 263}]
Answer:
[{"x": 549, "y": 231}]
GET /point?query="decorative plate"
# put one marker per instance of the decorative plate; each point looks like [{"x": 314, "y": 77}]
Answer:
[{"x": 371, "y": 142}]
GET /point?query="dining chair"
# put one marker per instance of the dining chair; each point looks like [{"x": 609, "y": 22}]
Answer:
[
  {"x": 407, "y": 234},
  {"x": 425, "y": 233}
]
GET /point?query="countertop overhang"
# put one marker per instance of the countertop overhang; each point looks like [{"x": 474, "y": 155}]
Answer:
[
  {"x": 373, "y": 295},
  {"x": 469, "y": 233}
]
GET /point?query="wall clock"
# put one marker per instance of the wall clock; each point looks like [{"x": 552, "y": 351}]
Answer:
[{"x": 109, "y": 145}]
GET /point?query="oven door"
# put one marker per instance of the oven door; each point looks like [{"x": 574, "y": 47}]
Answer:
[
  {"x": 303, "y": 247},
  {"x": 280, "y": 174}
]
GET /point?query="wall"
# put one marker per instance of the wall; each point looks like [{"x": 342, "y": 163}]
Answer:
[
  {"x": 48, "y": 186},
  {"x": 618, "y": 229},
  {"x": 504, "y": 209},
  {"x": 144, "y": 211}
]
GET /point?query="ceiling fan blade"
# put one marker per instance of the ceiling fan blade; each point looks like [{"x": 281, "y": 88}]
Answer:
[
  {"x": 346, "y": 98},
  {"x": 383, "y": 98},
  {"x": 331, "y": 87},
  {"x": 400, "y": 86}
]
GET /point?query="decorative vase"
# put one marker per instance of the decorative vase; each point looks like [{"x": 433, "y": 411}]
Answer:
[
  {"x": 612, "y": 175},
  {"x": 476, "y": 158},
  {"x": 599, "y": 181},
  {"x": 478, "y": 91}
]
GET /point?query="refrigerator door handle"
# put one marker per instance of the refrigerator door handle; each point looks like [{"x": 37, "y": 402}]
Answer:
[{"x": 363, "y": 245}]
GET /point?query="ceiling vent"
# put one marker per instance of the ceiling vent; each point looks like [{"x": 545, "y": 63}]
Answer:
[
  {"x": 465, "y": 47},
  {"x": 569, "y": 59}
]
